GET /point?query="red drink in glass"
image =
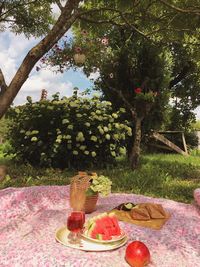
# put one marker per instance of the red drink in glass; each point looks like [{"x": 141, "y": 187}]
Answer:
[{"x": 76, "y": 221}]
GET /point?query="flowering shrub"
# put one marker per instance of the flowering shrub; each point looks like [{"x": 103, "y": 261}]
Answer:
[
  {"x": 73, "y": 131},
  {"x": 63, "y": 54},
  {"x": 99, "y": 184}
]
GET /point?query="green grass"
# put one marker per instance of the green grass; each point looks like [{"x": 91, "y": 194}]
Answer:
[{"x": 159, "y": 175}]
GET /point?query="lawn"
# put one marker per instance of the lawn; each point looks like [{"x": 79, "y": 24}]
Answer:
[{"x": 159, "y": 175}]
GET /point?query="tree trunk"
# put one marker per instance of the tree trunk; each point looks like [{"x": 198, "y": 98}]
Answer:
[
  {"x": 64, "y": 22},
  {"x": 135, "y": 151}
]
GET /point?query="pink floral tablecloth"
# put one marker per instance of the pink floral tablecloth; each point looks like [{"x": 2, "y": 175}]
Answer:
[{"x": 30, "y": 216}]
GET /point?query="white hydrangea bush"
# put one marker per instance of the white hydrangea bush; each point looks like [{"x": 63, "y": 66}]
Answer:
[{"x": 71, "y": 132}]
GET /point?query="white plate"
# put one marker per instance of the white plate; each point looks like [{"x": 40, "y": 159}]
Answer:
[
  {"x": 85, "y": 244},
  {"x": 114, "y": 238}
]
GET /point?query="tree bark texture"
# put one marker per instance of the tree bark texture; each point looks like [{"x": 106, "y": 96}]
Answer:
[
  {"x": 66, "y": 19},
  {"x": 135, "y": 151}
]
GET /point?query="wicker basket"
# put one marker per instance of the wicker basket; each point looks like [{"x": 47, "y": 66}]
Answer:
[
  {"x": 90, "y": 203},
  {"x": 78, "y": 187}
]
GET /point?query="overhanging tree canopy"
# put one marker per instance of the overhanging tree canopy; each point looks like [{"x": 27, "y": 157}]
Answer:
[
  {"x": 137, "y": 48},
  {"x": 158, "y": 21}
]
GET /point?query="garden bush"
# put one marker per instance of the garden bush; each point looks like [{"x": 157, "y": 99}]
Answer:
[{"x": 71, "y": 132}]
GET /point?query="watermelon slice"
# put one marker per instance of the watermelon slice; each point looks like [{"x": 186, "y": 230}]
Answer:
[
  {"x": 103, "y": 227},
  {"x": 103, "y": 237},
  {"x": 117, "y": 230}
]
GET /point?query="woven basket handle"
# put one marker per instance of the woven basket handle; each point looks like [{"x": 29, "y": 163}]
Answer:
[{"x": 78, "y": 187}]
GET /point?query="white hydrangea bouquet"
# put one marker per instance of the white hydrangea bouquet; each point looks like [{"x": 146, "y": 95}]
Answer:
[{"x": 99, "y": 184}]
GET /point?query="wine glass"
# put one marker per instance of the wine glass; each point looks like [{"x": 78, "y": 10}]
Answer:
[{"x": 75, "y": 223}]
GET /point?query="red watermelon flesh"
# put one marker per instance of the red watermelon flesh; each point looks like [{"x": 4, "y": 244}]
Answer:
[
  {"x": 97, "y": 232},
  {"x": 110, "y": 226},
  {"x": 103, "y": 227},
  {"x": 117, "y": 230}
]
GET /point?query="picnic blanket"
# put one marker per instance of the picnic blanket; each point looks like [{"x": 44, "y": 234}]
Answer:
[{"x": 30, "y": 216}]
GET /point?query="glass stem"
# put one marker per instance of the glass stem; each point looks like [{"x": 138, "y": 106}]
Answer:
[{"x": 74, "y": 236}]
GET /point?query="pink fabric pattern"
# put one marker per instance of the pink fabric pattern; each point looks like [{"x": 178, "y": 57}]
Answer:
[
  {"x": 30, "y": 216},
  {"x": 197, "y": 196}
]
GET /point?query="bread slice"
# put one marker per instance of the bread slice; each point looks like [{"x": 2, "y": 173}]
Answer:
[
  {"x": 140, "y": 214},
  {"x": 156, "y": 211}
]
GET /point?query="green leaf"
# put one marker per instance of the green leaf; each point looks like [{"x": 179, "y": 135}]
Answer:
[{"x": 90, "y": 192}]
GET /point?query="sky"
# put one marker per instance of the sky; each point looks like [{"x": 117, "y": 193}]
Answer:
[{"x": 13, "y": 48}]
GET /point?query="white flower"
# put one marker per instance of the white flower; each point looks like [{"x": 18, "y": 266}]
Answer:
[
  {"x": 75, "y": 152},
  {"x": 122, "y": 110},
  {"x": 115, "y": 137},
  {"x": 93, "y": 154},
  {"x": 73, "y": 104},
  {"x": 34, "y": 139},
  {"x": 117, "y": 126},
  {"x": 65, "y": 121},
  {"x": 122, "y": 150},
  {"x": 107, "y": 136},
  {"x": 87, "y": 124},
  {"x": 82, "y": 147},
  {"x": 93, "y": 138},
  {"x": 98, "y": 112},
  {"x": 113, "y": 153},
  {"x": 78, "y": 115},
  {"x": 114, "y": 115},
  {"x": 70, "y": 127},
  {"x": 101, "y": 131},
  {"x": 80, "y": 137},
  {"x": 105, "y": 129}
]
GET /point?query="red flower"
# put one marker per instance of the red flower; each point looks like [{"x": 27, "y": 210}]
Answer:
[
  {"x": 138, "y": 90},
  {"x": 84, "y": 32},
  {"x": 78, "y": 49}
]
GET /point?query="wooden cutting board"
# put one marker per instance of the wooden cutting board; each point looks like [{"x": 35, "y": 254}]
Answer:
[{"x": 125, "y": 216}]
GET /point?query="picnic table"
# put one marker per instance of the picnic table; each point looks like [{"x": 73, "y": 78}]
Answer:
[{"x": 30, "y": 216}]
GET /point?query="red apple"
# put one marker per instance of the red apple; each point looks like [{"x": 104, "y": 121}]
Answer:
[{"x": 137, "y": 254}]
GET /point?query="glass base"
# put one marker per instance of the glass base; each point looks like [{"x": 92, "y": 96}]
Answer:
[{"x": 74, "y": 238}]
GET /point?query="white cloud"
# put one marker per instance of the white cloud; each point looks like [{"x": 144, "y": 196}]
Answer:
[
  {"x": 44, "y": 79},
  {"x": 55, "y": 10},
  {"x": 8, "y": 65},
  {"x": 94, "y": 75},
  {"x": 13, "y": 48}
]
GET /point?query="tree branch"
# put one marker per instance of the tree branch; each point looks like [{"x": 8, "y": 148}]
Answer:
[
  {"x": 180, "y": 76},
  {"x": 133, "y": 27},
  {"x": 3, "y": 85},
  {"x": 1, "y": 7},
  {"x": 109, "y": 21},
  {"x": 59, "y": 5},
  {"x": 67, "y": 17},
  {"x": 121, "y": 14},
  {"x": 178, "y": 9},
  {"x": 121, "y": 96},
  {"x": 18, "y": 5}
]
